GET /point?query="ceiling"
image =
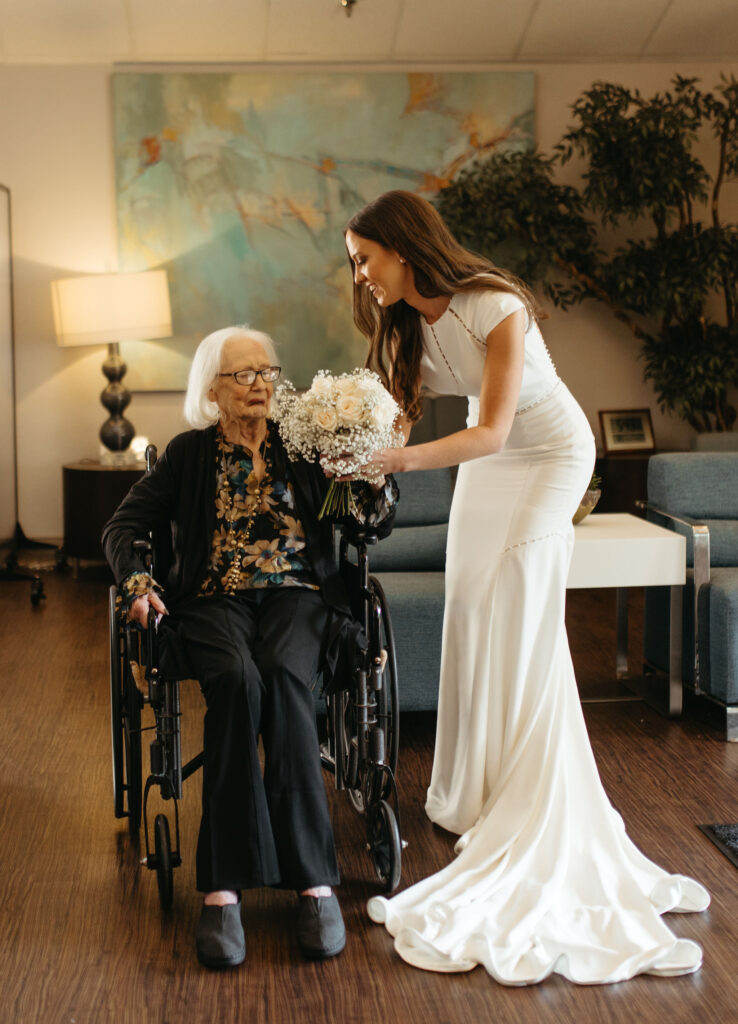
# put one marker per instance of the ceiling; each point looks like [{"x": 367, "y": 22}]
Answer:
[{"x": 377, "y": 31}]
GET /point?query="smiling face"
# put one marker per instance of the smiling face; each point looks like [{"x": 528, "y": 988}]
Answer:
[
  {"x": 387, "y": 276},
  {"x": 239, "y": 403}
]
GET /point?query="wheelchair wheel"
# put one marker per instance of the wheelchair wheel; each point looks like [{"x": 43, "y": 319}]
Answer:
[
  {"x": 131, "y": 704},
  {"x": 116, "y": 707},
  {"x": 346, "y": 746},
  {"x": 388, "y": 710},
  {"x": 132, "y": 740},
  {"x": 356, "y": 791},
  {"x": 163, "y": 853},
  {"x": 385, "y": 845}
]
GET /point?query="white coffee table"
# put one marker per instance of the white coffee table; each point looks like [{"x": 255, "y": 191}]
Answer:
[{"x": 620, "y": 550}]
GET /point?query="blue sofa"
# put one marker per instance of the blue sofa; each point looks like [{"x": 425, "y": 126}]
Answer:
[{"x": 696, "y": 494}]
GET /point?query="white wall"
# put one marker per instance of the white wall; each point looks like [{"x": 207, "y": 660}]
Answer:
[{"x": 56, "y": 155}]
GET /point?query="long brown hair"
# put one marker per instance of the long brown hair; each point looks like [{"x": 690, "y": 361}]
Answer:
[{"x": 408, "y": 225}]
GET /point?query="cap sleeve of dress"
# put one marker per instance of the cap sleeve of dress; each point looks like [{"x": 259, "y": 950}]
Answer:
[{"x": 492, "y": 307}]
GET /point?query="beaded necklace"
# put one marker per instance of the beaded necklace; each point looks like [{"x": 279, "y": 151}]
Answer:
[{"x": 238, "y": 539}]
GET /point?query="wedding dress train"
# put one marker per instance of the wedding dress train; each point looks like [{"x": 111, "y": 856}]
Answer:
[{"x": 546, "y": 879}]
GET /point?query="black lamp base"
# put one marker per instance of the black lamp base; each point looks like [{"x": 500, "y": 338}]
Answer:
[{"x": 116, "y": 432}]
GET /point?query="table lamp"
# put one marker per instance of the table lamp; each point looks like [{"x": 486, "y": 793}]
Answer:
[{"x": 100, "y": 308}]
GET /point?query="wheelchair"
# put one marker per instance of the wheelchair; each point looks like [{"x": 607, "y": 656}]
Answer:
[
  {"x": 362, "y": 743},
  {"x": 363, "y": 718}
]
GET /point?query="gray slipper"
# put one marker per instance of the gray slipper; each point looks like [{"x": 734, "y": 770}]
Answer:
[
  {"x": 219, "y": 938},
  {"x": 320, "y": 929}
]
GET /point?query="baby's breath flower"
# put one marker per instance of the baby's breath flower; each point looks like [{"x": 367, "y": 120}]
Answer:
[{"x": 340, "y": 420}]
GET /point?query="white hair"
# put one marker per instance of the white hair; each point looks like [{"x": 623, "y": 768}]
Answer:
[{"x": 199, "y": 411}]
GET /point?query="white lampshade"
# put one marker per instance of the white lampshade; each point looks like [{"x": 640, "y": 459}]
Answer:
[{"x": 100, "y": 308}]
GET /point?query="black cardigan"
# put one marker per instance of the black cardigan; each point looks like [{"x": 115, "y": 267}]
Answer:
[{"x": 176, "y": 501}]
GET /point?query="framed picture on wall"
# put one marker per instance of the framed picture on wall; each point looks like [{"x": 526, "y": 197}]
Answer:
[{"x": 627, "y": 430}]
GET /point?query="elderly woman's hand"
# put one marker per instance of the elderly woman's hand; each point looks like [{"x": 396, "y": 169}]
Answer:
[{"x": 139, "y": 610}]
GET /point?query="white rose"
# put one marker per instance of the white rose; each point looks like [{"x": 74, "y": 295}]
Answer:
[
  {"x": 346, "y": 386},
  {"x": 369, "y": 386},
  {"x": 326, "y": 418},
  {"x": 383, "y": 414},
  {"x": 321, "y": 386},
  {"x": 349, "y": 409}
]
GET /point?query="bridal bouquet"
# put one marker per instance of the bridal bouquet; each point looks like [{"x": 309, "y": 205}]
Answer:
[{"x": 341, "y": 421}]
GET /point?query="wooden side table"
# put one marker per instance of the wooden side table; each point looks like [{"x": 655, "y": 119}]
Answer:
[
  {"x": 92, "y": 492},
  {"x": 623, "y": 481},
  {"x": 620, "y": 550}
]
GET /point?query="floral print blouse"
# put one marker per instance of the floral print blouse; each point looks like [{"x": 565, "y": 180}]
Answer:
[
  {"x": 256, "y": 526},
  {"x": 274, "y": 553}
]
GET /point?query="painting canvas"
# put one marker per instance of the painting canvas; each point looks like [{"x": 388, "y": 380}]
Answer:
[{"x": 240, "y": 185}]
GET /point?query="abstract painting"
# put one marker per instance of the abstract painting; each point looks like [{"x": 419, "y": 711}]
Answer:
[{"x": 240, "y": 185}]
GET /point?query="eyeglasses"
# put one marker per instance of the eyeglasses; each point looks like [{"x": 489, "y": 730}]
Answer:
[{"x": 247, "y": 377}]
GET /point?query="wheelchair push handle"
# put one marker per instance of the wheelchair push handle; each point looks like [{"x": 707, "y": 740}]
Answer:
[
  {"x": 145, "y": 549},
  {"x": 358, "y": 536}
]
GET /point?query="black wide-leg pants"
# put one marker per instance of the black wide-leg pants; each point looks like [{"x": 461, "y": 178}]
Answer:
[{"x": 257, "y": 657}]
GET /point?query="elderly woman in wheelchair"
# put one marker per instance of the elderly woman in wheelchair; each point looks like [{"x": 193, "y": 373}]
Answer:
[{"x": 253, "y": 606}]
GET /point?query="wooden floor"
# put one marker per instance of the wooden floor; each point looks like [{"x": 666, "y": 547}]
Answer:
[{"x": 82, "y": 938}]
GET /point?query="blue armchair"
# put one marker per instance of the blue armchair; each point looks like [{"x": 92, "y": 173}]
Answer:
[{"x": 696, "y": 494}]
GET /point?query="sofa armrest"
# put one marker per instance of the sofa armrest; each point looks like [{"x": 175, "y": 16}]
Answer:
[{"x": 700, "y": 536}]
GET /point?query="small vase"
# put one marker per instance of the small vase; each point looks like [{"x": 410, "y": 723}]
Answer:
[{"x": 586, "y": 505}]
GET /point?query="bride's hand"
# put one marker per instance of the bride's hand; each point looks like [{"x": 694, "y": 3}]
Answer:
[{"x": 389, "y": 460}]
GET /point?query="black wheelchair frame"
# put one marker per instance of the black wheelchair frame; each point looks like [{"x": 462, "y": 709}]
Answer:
[{"x": 362, "y": 722}]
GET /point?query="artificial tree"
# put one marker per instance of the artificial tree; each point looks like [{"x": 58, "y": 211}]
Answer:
[{"x": 674, "y": 283}]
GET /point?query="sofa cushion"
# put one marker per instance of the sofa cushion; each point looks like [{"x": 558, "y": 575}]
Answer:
[
  {"x": 411, "y": 549},
  {"x": 703, "y": 485},
  {"x": 425, "y": 497},
  {"x": 723, "y": 542},
  {"x": 723, "y": 538},
  {"x": 719, "y": 607},
  {"x": 415, "y": 602},
  {"x": 718, "y": 615}
]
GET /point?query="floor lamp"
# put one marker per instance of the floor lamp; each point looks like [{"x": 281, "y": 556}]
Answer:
[{"x": 18, "y": 541}]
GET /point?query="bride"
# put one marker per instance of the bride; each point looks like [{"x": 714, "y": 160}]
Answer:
[{"x": 546, "y": 879}]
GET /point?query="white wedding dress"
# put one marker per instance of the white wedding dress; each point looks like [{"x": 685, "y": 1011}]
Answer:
[{"x": 546, "y": 879}]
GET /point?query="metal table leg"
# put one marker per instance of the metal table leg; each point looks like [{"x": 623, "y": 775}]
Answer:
[
  {"x": 675, "y": 651},
  {"x": 621, "y": 628}
]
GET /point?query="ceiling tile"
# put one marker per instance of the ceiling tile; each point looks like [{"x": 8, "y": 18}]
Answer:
[
  {"x": 471, "y": 29},
  {"x": 199, "y": 29},
  {"x": 705, "y": 29},
  {"x": 382, "y": 31},
  {"x": 66, "y": 31},
  {"x": 587, "y": 30},
  {"x": 322, "y": 30}
]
